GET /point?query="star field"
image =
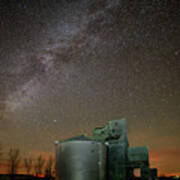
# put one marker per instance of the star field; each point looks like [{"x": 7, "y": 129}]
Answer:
[{"x": 69, "y": 66}]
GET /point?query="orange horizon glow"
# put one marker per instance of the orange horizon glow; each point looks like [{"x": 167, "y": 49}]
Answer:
[
  {"x": 39, "y": 175},
  {"x": 172, "y": 174},
  {"x": 166, "y": 161}
]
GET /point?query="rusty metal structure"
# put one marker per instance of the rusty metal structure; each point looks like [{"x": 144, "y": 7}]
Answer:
[{"x": 105, "y": 156}]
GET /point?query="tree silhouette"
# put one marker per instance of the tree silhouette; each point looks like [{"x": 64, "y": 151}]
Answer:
[
  {"x": 39, "y": 165},
  {"x": 14, "y": 161},
  {"x": 28, "y": 164},
  {"x": 0, "y": 152},
  {"x": 2, "y": 109},
  {"x": 49, "y": 166}
]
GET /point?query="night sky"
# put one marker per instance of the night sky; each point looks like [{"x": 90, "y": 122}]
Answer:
[{"x": 68, "y": 66}]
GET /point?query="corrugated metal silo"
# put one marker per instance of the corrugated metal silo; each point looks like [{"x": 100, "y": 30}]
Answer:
[{"x": 81, "y": 159}]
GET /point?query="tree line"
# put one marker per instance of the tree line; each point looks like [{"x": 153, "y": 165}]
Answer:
[{"x": 39, "y": 166}]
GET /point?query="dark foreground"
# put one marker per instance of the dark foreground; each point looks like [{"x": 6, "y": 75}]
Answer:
[
  {"x": 31, "y": 177},
  {"x": 23, "y": 177}
]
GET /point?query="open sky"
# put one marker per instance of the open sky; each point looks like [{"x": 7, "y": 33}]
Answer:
[{"x": 69, "y": 66}]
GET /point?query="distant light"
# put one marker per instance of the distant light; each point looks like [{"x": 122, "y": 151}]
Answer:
[
  {"x": 176, "y": 177},
  {"x": 56, "y": 142}
]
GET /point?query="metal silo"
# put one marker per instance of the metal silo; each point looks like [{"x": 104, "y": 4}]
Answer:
[{"x": 80, "y": 159}]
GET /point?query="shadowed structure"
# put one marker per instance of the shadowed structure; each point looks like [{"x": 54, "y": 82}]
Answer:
[{"x": 107, "y": 156}]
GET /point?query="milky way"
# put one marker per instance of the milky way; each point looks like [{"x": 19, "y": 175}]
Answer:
[{"x": 69, "y": 66}]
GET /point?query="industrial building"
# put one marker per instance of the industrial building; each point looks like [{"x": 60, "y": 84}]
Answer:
[{"x": 104, "y": 156}]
